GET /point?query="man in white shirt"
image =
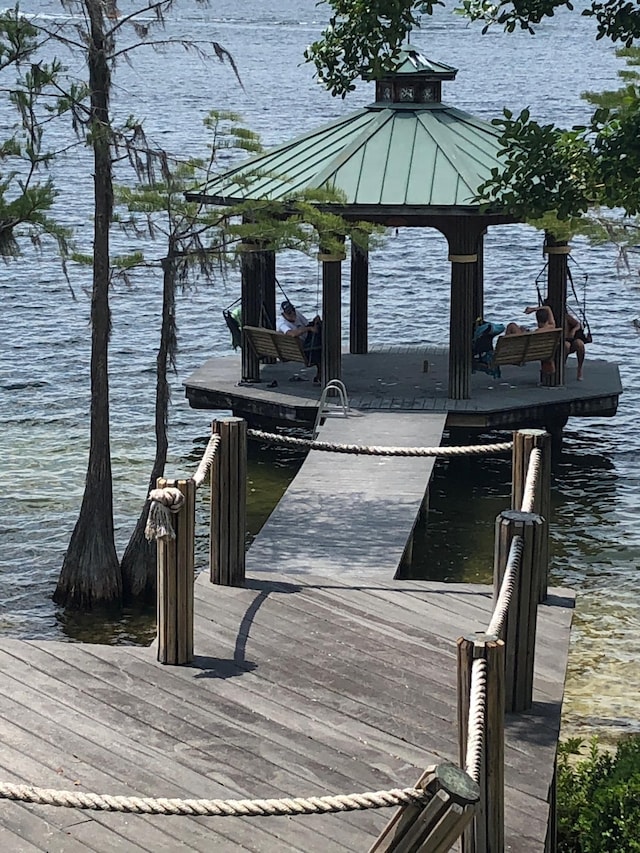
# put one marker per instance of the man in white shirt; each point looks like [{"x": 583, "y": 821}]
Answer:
[{"x": 293, "y": 322}]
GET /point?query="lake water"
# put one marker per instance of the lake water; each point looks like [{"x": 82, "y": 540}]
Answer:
[{"x": 44, "y": 382}]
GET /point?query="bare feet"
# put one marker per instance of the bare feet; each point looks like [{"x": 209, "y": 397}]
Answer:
[{"x": 579, "y": 374}]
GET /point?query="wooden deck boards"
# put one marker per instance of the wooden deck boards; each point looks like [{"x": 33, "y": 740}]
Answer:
[
  {"x": 393, "y": 379},
  {"x": 325, "y": 677},
  {"x": 350, "y": 513},
  {"x": 300, "y": 685}
]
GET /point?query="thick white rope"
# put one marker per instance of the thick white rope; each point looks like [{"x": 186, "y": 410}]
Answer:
[
  {"x": 164, "y": 503},
  {"x": 531, "y": 481},
  {"x": 470, "y": 450},
  {"x": 214, "y": 808},
  {"x": 207, "y": 460},
  {"x": 477, "y": 719},
  {"x": 511, "y": 572},
  {"x": 170, "y": 500}
]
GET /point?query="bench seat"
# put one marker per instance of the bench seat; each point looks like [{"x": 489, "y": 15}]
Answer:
[
  {"x": 527, "y": 346},
  {"x": 520, "y": 349},
  {"x": 266, "y": 343}
]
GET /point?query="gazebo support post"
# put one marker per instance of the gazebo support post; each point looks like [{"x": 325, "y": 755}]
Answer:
[
  {"x": 331, "y": 316},
  {"x": 558, "y": 253},
  {"x": 359, "y": 309},
  {"x": 461, "y": 327},
  {"x": 478, "y": 281},
  {"x": 463, "y": 237},
  {"x": 250, "y": 270},
  {"x": 267, "y": 273}
]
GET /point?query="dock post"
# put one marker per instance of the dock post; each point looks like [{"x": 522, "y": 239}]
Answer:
[
  {"x": 228, "y": 503},
  {"x": 519, "y": 632},
  {"x": 524, "y": 441},
  {"x": 485, "y": 834},
  {"x": 436, "y": 824},
  {"x": 175, "y": 580},
  {"x": 359, "y": 302}
]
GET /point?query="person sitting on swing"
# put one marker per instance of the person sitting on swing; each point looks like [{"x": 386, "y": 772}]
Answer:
[
  {"x": 574, "y": 340},
  {"x": 293, "y": 322},
  {"x": 573, "y": 334}
]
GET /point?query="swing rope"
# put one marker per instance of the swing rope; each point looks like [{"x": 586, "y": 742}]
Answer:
[{"x": 581, "y": 307}]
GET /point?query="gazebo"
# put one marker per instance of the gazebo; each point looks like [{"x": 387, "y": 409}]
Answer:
[{"x": 407, "y": 160}]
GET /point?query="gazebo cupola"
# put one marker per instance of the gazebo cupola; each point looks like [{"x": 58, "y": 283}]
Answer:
[{"x": 414, "y": 80}]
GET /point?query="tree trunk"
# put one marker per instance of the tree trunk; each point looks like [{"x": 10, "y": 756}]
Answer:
[
  {"x": 90, "y": 573},
  {"x": 138, "y": 564}
]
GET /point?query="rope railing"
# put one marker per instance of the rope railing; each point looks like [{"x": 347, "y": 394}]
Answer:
[
  {"x": 505, "y": 596},
  {"x": 207, "y": 460},
  {"x": 496, "y": 675},
  {"x": 373, "y": 450},
  {"x": 485, "y": 654},
  {"x": 169, "y": 500},
  {"x": 531, "y": 482},
  {"x": 286, "y": 806},
  {"x": 477, "y": 715}
]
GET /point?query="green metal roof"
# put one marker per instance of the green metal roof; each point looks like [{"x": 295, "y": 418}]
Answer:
[
  {"x": 429, "y": 156},
  {"x": 412, "y": 62},
  {"x": 405, "y": 156}
]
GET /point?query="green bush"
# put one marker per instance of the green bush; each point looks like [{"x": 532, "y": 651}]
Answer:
[{"x": 599, "y": 798}]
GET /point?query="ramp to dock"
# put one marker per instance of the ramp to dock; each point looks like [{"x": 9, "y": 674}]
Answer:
[{"x": 351, "y": 514}]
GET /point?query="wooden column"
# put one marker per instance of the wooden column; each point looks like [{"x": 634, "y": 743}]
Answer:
[
  {"x": 524, "y": 441},
  {"x": 435, "y": 825},
  {"x": 359, "y": 309},
  {"x": 485, "y": 834},
  {"x": 228, "y": 503},
  {"x": 331, "y": 316},
  {"x": 461, "y": 325},
  {"x": 557, "y": 252},
  {"x": 175, "y": 580},
  {"x": 251, "y": 270},
  {"x": 520, "y": 631},
  {"x": 267, "y": 275},
  {"x": 478, "y": 281}
]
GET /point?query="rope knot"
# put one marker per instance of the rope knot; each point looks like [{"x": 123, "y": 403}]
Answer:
[{"x": 164, "y": 503}]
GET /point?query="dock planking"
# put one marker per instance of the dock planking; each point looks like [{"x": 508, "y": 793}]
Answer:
[
  {"x": 351, "y": 513},
  {"x": 393, "y": 378},
  {"x": 327, "y": 676},
  {"x": 301, "y": 685}
]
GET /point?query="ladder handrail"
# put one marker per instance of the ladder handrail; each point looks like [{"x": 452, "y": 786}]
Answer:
[{"x": 338, "y": 387}]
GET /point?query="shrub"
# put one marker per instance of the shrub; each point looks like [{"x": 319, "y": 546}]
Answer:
[{"x": 599, "y": 798}]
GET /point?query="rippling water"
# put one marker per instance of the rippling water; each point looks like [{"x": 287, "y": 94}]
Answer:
[{"x": 44, "y": 384}]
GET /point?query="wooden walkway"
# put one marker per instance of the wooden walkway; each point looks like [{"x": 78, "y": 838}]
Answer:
[
  {"x": 299, "y": 687},
  {"x": 327, "y": 677},
  {"x": 349, "y": 514}
]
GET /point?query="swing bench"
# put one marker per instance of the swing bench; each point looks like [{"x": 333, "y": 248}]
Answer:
[
  {"x": 269, "y": 344},
  {"x": 522, "y": 348}
]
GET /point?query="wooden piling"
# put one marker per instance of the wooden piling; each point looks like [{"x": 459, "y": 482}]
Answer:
[
  {"x": 494, "y": 749},
  {"x": 485, "y": 833},
  {"x": 439, "y": 822},
  {"x": 465, "y": 655},
  {"x": 519, "y": 634},
  {"x": 228, "y": 503},
  {"x": 175, "y": 581},
  {"x": 524, "y": 441}
]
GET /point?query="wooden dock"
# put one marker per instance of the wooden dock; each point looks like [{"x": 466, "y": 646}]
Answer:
[
  {"x": 328, "y": 677},
  {"x": 394, "y": 379},
  {"x": 346, "y": 514},
  {"x": 300, "y": 686}
]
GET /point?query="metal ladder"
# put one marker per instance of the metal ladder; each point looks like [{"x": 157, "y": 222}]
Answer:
[{"x": 327, "y": 410}]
